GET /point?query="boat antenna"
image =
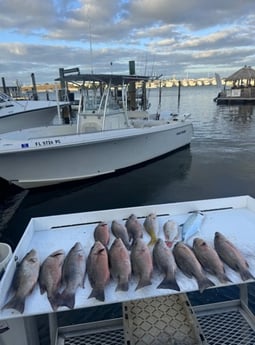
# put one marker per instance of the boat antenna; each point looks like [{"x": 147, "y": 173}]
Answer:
[
  {"x": 90, "y": 48},
  {"x": 90, "y": 44}
]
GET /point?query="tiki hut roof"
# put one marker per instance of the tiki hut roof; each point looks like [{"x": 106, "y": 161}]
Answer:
[{"x": 246, "y": 73}]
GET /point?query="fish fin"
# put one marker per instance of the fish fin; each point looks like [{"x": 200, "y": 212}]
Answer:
[
  {"x": 98, "y": 294},
  {"x": 16, "y": 303},
  {"x": 122, "y": 286},
  {"x": 246, "y": 274},
  {"x": 204, "y": 283},
  {"x": 42, "y": 289},
  {"x": 169, "y": 284},
  {"x": 142, "y": 283},
  {"x": 66, "y": 299}
]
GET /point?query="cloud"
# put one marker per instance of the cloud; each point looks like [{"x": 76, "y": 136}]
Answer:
[{"x": 170, "y": 35}]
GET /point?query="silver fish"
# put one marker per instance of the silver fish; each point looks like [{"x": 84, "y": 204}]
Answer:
[
  {"x": 209, "y": 259},
  {"x": 151, "y": 226},
  {"x": 141, "y": 261},
  {"x": 120, "y": 231},
  {"x": 164, "y": 260},
  {"x": 171, "y": 231},
  {"x": 98, "y": 270},
  {"x": 102, "y": 233},
  {"x": 24, "y": 280},
  {"x": 190, "y": 266},
  {"x": 134, "y": 228},
  {"x": 120, "y": 265},
  {"x": 50, "y": 276},
  {"x": 192, "y": 225},
  {"x": 231, "y": 256},
  {"x": 74, "y": 270}
]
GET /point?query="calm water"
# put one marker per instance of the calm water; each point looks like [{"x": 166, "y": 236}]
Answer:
[{"x": 219, "y": 163}]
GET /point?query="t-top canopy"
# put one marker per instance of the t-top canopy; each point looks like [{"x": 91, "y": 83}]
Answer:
[{"x": 114, "y": 79}]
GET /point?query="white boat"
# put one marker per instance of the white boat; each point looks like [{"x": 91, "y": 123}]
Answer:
[
  {"x": 103, "y": 140},
  {"x": 21, "y": 114}
]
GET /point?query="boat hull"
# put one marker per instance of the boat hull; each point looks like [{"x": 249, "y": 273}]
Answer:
[{"x": 43, "y": 165}]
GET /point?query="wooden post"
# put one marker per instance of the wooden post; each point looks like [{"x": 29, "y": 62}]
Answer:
[
  {"x": 34, "y": 90},
  {"x": 4, "y": 86},
  {"x": 131, "y": 87},
  {"x": 179, "y": 93}
]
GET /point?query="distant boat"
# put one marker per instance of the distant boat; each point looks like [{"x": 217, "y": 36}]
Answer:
[
  {"x": 102, "y": 141},
  {"x": 21, "y": 114},
  {"x": 242, "y": 90}
]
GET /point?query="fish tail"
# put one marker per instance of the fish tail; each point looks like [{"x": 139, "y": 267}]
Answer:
[
  {"x": 66, "y": 299},
  {"x": 143, "y": 282},
  {"x": 204, "y": 283},
  {"x": 153, "y": 240},
  {"x": 55, "y": 301},
  {"x": 122, "y": 286},
  {"x": 223, "y": 278},
  {"x": 127, "y": 245},
  {"x": 246, "y": 274},
  {"x": 98, "y": 294},
  {"x": 169, "y": 284},
  {"x": 16, "y": 303}
]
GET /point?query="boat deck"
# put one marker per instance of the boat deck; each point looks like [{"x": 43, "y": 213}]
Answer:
[{"x": 235, "y": 100}]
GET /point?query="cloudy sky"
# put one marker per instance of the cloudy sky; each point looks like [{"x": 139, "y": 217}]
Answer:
[{"x": 176, "y": 38}]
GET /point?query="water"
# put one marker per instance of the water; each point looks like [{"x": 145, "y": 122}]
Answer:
[{"x": 218, "y": 163}]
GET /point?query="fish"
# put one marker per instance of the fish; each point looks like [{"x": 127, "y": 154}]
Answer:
[
  {"x": 141, "y": 261},
  {"x": 102, "y": 233},
  {"x": 50, "y": 276},
  {"x": 24, "y": 281},
  {"x": 120, "y": 231},
  {"x": 171, "y": 231},
  {"x": 151, "y": 226},
  {"x": 73, "y": 275},
  {"x": 120, "y": 264},
  {"x": 192, "y": 225},
  {"x": 98, "y": 270},
  {"x": 231, "y": 256},
  {"x": 190, "y": 266},
  {"x": 163, "y": 259},
  {"x": 134, "y": 228},
  {"x": 209, "y": 259}
]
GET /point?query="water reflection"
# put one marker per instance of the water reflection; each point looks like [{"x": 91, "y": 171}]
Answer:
[{"x": 238, "y": 113}]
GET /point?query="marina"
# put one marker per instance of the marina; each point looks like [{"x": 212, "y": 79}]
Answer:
[{"x": 223, "y": 138}]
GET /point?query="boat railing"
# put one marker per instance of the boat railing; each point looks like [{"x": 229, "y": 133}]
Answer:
[{"x": 5, "y": 100}]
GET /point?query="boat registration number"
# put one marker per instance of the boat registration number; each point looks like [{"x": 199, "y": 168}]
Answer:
[{"x": 48, "y": 142}]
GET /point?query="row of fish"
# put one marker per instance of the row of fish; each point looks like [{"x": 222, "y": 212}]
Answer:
[
  {"x": 133, "y": 229},
  {"x": 60, "y": 276}
]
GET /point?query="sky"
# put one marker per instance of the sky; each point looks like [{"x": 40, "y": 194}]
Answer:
[{"x": 176, "y": 38}]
